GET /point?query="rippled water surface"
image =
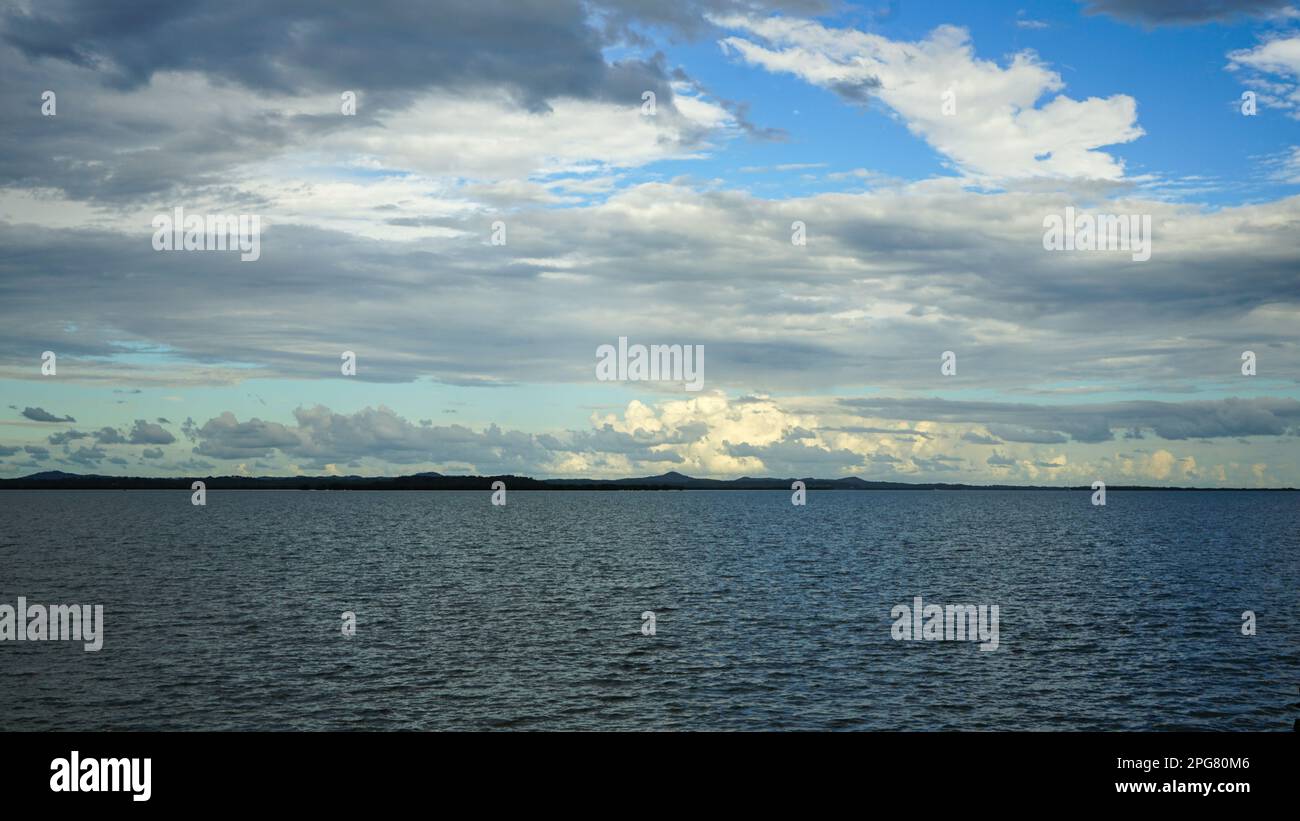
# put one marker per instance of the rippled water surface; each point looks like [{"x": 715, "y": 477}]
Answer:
[{"x": 769, "y": 616}]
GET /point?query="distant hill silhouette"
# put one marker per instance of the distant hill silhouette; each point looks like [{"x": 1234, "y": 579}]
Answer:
[{"x": 59, "y": 480}]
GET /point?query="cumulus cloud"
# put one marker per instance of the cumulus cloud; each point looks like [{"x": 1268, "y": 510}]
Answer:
[
  {"x": 225, "y": 437},
  {"x": 150, "y": 433},
  {"x": 109, "y": 436},
  {"x": 714, "y": 435},
  {"x": 322, "y": 436}
]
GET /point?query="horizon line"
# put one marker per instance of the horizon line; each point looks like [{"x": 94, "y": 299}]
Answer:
[{"x": 672, "y": 480}]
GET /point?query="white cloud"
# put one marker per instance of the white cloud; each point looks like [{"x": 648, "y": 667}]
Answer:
[
  {"x": 491, "y": 138},
  {"x": 1274, "y": 67},
  {"x": 999, "y": 130}
]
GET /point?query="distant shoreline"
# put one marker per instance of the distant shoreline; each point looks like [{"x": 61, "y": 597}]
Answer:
[{"x": 57, "y": 480}]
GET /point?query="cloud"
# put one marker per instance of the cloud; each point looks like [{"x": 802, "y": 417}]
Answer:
[
  {"x": 42, "y": 415},
  {"x": 322, "y": 436},
  {"x": 1165, "y": 12},
  {"x": 789, "y": 459},
  {"x": 224, "y": 437},
  {"x": 149, "y": 433},
  {"x": 1051, "y": 424},
  {"x": 458, "y": 88},
  {"x": 937, "y": 464},
  {"x": 283, "y": 46},
  {"x": 1014, "y": 433},
  {"x": 903, "y": 266},
  {"x": 1273, "y": 71},
  {"x": 109, "y": 436},
  {"x": 87, "y": 456},
  {"x": 909, "y": 439},
  {"x": 998, "y": 129},
  {"x": 66, "y": 436},
  {"x": 376, "y": 231},
  {"x": 903, "y": 433}
]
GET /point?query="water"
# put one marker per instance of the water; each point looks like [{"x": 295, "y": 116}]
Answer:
[{"x": 768, "y": 616}]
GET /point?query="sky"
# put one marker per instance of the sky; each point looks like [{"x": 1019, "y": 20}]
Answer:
[{"x": 843, "y": 205}]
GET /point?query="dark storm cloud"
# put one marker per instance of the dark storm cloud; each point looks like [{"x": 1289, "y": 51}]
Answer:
[
  {"x": 112, "y": 148},
  {"x": 92, "y": 151},
  {"x": 1158, "y": 12},
  {"x": 42, "y": 415},
  {"x": 1048, "y": 424},
  {"x": 539, "y": 50}
]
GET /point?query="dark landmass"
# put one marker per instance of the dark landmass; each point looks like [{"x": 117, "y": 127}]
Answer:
[{"x": 58, "y": 480}]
